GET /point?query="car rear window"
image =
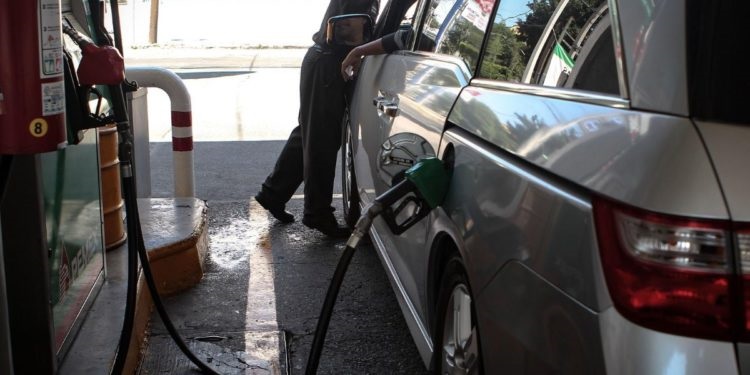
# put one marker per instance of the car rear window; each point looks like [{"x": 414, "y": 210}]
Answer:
[
  {"x": 718, "y": 68},
  {"x": 564, "y": 44}
]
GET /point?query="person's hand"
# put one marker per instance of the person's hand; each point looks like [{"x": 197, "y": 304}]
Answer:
[{"x": 350, "y": 65}]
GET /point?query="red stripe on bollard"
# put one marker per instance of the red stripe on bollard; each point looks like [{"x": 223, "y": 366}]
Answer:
[
  {"x": 182, "y": 144},
  {"x": 182, "y": 119}
]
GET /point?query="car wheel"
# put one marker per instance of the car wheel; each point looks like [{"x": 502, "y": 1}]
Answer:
[
  {"x": 457, "y": 339},
  {"x": 348, "y": 179}
]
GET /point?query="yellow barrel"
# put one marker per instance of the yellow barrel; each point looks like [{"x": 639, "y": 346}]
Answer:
[{"x": 109, "y": 164}]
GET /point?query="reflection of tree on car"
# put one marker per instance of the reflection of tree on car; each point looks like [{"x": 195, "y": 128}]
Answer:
[
  {"x": 513, "y": 39},
  {"x": 502, "y": 59},
  {"x": 465, "y": 38},
  {"x": 566, "y": 43},
  {"x": 463, "y": 34}
]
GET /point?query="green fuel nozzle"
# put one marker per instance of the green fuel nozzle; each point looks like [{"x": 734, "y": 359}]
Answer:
[
  {"x": 422, "y": 188},
  {"x": 430, "y": 177}
]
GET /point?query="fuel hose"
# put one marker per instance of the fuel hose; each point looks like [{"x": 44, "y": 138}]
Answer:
[
  {"x": 360, "y": 230},
  {"x": 136, "y": 247},
  {"x": 100, "y": 73},
  {"x": 422, "y": 188},
  {"x": 137, "y": 236},
  {"x": 5, "y": 162}
]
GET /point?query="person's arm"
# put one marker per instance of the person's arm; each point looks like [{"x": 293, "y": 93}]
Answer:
[
  {"x": 386, "y": 44},
  {"x": 352, "y": 61}
]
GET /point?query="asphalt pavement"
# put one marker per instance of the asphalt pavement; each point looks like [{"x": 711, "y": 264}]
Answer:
[{"x": 264, "y": 282}]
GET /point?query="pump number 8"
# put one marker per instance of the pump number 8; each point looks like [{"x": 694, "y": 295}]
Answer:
[{"x": 38, "y": 127}]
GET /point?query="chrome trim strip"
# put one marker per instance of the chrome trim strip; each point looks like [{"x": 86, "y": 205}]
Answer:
[
  {"x": 572, "y": 197},
  {"x": 622, "y": 76},
  {"x": 554, "y": 92},
  {"x": 413, "y": 321}
]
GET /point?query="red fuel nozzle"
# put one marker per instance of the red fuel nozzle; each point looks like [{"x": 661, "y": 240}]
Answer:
[{"x": 101, "y": 66}]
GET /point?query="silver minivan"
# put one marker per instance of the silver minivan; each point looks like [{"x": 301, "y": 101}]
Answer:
[{"x": 597, "y": 216}]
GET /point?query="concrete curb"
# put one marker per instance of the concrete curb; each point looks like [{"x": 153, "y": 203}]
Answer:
[
  {"x": 139, "y": 340},
  {"x": 175, "y": 236},
  {"x": 206, "y": 58},
  {"x": 176, "y": 240}
]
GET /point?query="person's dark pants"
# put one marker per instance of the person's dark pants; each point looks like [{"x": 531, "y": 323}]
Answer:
[{"x": 310, "y": 153}]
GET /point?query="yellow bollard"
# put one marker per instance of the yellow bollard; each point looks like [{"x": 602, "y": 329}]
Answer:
[{"x": 109, "y": 165}]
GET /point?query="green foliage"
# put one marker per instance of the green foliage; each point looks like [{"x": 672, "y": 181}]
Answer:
[
  {"x": 504, "y": 59},
  {"x": 464, "y": 39},
  {"x": 530, "y": 29}
]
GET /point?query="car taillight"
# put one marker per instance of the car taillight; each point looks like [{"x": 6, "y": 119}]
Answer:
[
  {"x": 743, "y": 245},
  {"x": 668, "y": 273}
]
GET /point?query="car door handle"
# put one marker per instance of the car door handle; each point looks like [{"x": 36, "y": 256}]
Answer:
[{"x": 387, "y": 107}]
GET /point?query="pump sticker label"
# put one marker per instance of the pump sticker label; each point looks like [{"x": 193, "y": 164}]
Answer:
[
  {"x": 53, "y": 98},
  {"x": 38, "y": 127},
  {"x": 50, "y": 38}
]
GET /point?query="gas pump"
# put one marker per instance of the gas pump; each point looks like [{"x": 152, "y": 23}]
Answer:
[
  {"x": 32, "y": 121},
  {"x": 103, "y": 66},
  {"x": 36, "y": 74},
  {"x": 39, "y": 92}
]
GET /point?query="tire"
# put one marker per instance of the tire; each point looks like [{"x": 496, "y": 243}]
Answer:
[
  {"x": 350, "y": 195},
  {"x": 456, "y": 318}
]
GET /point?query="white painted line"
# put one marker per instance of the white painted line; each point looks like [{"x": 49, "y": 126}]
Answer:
[
  {"x": 302, "y": 196},
  {"x": 261, "y": 327}
]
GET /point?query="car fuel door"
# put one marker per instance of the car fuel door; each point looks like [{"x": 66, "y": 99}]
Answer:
[{"x": 413, "y": 103}]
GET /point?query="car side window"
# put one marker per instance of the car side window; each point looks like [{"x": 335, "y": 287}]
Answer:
[
  {"x": 559, "y": 44},
  {"x": 437, "y": 12},
  {"x": 456, "y": 28},
  {"x": 408, "y": 20}
]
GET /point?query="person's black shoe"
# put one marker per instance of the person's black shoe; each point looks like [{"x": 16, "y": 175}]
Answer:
[
  {"x": 278, "y": 212},
  {"x": 329, "y": 227}
]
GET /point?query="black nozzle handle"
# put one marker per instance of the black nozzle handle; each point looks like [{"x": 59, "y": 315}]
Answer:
[
  {"x": 77, "y": 37},
  {"x": 396, "y": 192}
]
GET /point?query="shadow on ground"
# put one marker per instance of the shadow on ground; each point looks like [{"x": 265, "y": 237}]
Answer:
[{"x": 263, "y": 278}]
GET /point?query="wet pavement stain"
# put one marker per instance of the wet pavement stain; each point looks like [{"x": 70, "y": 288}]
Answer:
[{"x": 263, "y": 278}]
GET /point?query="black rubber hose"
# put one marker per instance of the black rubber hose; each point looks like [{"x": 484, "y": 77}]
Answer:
[
  {"x": 136, "y": 244},
  {"x": 138, "y": 238},
  {"x": 5, "y": 163},
  {"x": 115, "y": 8},
  {"x": 125, "y": 155},
  {"x": 359, "y": 232},
  {"x": 325, "y": 313},
  {"x": 131, "y": 205}
]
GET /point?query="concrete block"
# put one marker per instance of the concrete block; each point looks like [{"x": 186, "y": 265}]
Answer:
[{"x": 175, "y": 235}]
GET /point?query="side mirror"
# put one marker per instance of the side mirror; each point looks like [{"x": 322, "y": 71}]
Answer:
[{"x": 349, "y": 30}]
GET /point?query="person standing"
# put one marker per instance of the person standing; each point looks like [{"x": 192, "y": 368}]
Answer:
[{"x": 310, "y": 152}]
